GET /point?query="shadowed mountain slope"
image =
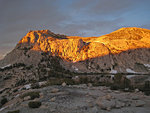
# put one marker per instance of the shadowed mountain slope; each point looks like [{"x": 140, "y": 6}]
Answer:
[{"x": 124, "y": 50}]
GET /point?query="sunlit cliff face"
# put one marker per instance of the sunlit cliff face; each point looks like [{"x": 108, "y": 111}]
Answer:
[{"x": 74, "y": 48}]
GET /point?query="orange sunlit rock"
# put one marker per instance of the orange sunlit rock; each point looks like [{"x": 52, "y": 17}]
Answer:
[{"x": 75, "y": 48}]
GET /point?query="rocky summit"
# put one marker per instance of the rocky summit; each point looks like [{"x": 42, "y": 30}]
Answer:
[{"x": 126, "y": 50}]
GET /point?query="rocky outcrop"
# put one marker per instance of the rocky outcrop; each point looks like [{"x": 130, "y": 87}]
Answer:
[{"x": 125, "y": 50}]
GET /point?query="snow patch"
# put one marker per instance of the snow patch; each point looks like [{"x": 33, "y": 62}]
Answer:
[
  {"x": 28, "y": 86},
  {"x": 147, "y": 65},
  {"x": 3, "y": 108},
  {"x": 6, "y": 66},
  {"x": 113, "y": 71},
  {"x": 17, "y": 95},
  {"x": 130, "y": 76},
  {"x": 20, "y": 89},
  {"x": 75, "y": 68},
  {"x": 130, "y": 71},
  {"x": 112, "y": 76}
]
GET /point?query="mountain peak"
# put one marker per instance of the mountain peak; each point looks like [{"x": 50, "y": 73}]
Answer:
[
  {"x": 34, "y": 36},
  {"x": 76, "y": 49},
  {"x": 130, "y": 28},
  {"x": 130, "y": 33}
]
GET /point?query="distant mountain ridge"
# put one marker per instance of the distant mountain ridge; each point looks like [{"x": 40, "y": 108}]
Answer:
[{"x": 125, "y": 50}]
